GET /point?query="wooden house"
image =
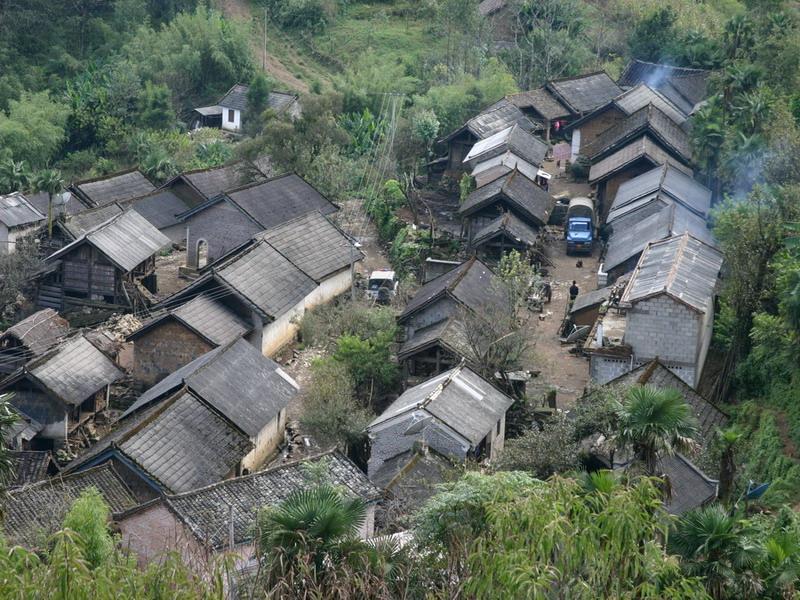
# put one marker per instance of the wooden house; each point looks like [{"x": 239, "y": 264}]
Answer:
[{"x": 103, "y": 266}]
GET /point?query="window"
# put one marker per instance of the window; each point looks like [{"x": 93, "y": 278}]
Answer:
[{"x": 230, "y": 116}]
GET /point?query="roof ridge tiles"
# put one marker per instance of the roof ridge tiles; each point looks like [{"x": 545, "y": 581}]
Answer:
[{"x": 437, "y": 391}]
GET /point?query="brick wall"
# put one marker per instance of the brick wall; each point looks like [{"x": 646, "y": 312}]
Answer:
[
  {"x": 163, "y": 350},
  {"x": 594, "y": 127}
]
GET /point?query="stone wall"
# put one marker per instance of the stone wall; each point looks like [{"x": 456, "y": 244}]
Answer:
[{"x": 165, "y": 349}]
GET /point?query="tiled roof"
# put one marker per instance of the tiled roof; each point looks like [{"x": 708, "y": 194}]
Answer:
[
  {"x": 542, "y": 101},
  {"x": 185, "y": 445},
  {"x": 682, "y": 267},
  {"x": 585, "y": 92},
  {"x": 161, "y": 208},
  {"x": 113, "y": 188},
  {"x": 709, "y": 416},
  {"x": 591, "y": 298},
  {"x": 29, "y": 466},
  {"x": 507, "y": 224},
  {"x": 236, "y": 98},
  {"x": 626, "y": 242},
  {"x": 459, "y": 398},
  {"x": 449, "y": 333},
  {"x": 500, "y": 115},
  {"x": 25, "y": 427},
  {"x": 472, "y": 284},
  {"x": 514, "y": 139},
  {"x": 207, "y": 511},
  {"x": 15, "y": 211},
  {"x": 245, "y": 386},
  {"x": 489, "y": 169},
  {"x": 648, "y": 119},
  {"x": 63, "y": 204},
  {"x": 126, "y": 240},
  {"x": 74, "y": 371},
  {"x": 413, "y": 476},
  {"x": 211, "y": 319},
  {"x": 34, "y": 512},
  {"x": 267, "y": 279},
  {"x": 83, "y": 222},
  {"x": 639, "y": 148},
  {"x": 216, "y": 180},
  {"x": 640, "y": 96},
  {"x": 314, "y": 244},
  {"x": 683, "y": 86},
  {"x": 38, "y": 332},
  {"x": 527, "y": 197},
  {"x": 280, "y": 199}
]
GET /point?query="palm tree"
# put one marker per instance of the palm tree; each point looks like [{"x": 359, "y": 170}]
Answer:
[
  {"x": 728, "y": 441},
  {"x": 715, "y": 546},
  {"x": 317, "y": 523},
  {"x": 653, "y": 422},
  {"x": 50, "y": 181},
  {"x": 14, "y": 176}
]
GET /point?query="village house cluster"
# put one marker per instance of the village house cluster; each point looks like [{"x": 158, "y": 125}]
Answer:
[{"x": 183, "y": 467}]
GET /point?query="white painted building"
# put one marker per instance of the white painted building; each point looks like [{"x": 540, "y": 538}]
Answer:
[{"x": 18, "y": 218}]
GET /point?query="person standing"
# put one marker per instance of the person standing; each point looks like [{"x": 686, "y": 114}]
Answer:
[{"x": 573, "y": 292}]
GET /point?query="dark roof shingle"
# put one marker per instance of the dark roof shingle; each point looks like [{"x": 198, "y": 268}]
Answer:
[
  {"x": 16, "y": 211},
  {"x": 113, "y": 188},
  {"x": 527, "y": 197},
  {"x": 39, "y": 332},
  {"x": 585, "y": 92}
]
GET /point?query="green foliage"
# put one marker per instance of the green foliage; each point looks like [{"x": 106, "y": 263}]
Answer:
[
  {"x": 33, "y": 130},
  {"x": 465, "y": 187},
  {"x": 543, "y": 452},
  {"x": 88, "y": 517},
  {"x": 308, "y": 15},
  {"x": 14, "y": 176},
  {"x": 368, "y": 360},
  {"x": 653, "y": 37},
  {"x": 364, "y": 129},
  {"x": 331, "y": 413},
  {"x": 7, "y": 419},
  {"x": 155, "y": 111}
]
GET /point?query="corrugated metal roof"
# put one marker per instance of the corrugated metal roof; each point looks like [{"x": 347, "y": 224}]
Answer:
[
  {"x": 642, "y": 147},
  {"x": 33, "y": 513},
  {"x": 314, "y": 244},
  {"x": 529, "y": 199},
  {"x": 628, "y": 241},
  {"x": 75, "y": 371},
  {"x": 682, "y": 267},
  {"x": 15, "y": 211},
  {"x": 459, "y": 398},
  {"x": 207, "y": 511},
  {"x": 585, "y": 92}
]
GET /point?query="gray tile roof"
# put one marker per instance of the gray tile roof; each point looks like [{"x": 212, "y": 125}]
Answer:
[
  {"x": 527, "y": 197},
  {"x": 509, "y": 225},
  {"x": 314, "y": 244},
  {"x": 412, "y": 477},
  {"x": 113, "y": 188},
  {"x": 709, "y": 416},
  {"x": 690, "y": 487},
  {"x": 459, "y": 398},
  {"x": 641, "y": 95},
  {"x": 236, "y": 98},
  {"x": 185, "y": 445},
  {"x": 38, "y": 332},
  {"x": 683, "y": 86},
  {"x": 212, "y": 319},
  {"x": 664, "y": 179},
  {"x": 34, "y": 512},
  {"x": 500, "y": 115},
  {"x": 682, "y": 267},
  {"x": 160, "y": 208},
  {"x": 83, "y": 222},
  {"x": 67, "y": 204},
  {"x": 514, "y": 139},
  {"x": 245, "y": 386},
  {"x": 472, "y": 284},
  {"x": 30, "y": 466},
  {"x": 585, "y": 92},
  {"x": 448, "y": 333},
  {"x": 542, "y": 101},
  {"x": 214, "y": 181},
  {"x": 640, "y": 148},
  {"x": 280, "y": 199},
  {"x": 267, "y": 279},
  {"x": 647, "y": 119},
  {"x": 207, "y": 511},
  {"x": 126, "y": 240},
  {"x": 591, "y": 298},
  {"x": 16, "y": 211},
  {"x": 74, "y": 371},
  {"x": 25, "y": 427}
]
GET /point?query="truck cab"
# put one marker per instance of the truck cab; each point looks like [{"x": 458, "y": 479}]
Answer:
[{"x": 580, "y": 229}]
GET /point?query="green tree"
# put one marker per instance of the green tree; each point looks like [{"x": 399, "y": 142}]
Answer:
[
  {"x": 257, "y": 100},
  {"x": 652, "y": 423},
  {"x": 51, "y": 182},
  {"x": 369, "y": 361},
  {"x": 89, "y": 517},
  {"x": 728, "y": 439},
  {"x": 34, "y": 128},
  {"x": 653, "y": 36},
  {"x": 14, "y": 177},
  {"x": 155, "y": 107},
  {"x": 7, "y": 419},
  {"x": 543, "y": 451}
]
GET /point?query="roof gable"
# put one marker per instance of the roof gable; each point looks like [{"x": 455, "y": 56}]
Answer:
[
  {"x": 112, "y": 188},
  {"x": 39, "y": 331},
  {"x": 640, "y": 148},
  {"x": 527, "y": 197},
  {"x": 585, "y": 92},
  {"x": 512, "y": 139}
]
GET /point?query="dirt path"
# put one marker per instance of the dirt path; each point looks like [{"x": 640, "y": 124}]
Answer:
[
  {"x": 241, "y": 11},
  {"x": 568, "y": 373}
]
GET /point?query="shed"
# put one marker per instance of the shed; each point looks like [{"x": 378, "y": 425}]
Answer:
[
  {"x": 512, "y": 193},
  {"x": 103, "y": 265},
  {"x": 18, "y": 219},
  {"x": 31, "y": 337},
  {"x": 457, "y": 414},
  {"x": 108, "y": 189},
  {"x": 586, "y": 308},
  {"x": 62, "y": 389},
  {"x": 34, "y": 512},
  {"x": 230, "y": 111},
  {"x": 219, "y": 517}
]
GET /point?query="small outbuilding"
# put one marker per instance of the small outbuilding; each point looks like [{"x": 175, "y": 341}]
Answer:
[{"x": 18, "y": 219}]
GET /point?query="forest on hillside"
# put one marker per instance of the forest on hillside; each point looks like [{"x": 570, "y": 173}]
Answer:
[{"x": 92, "y": 87}]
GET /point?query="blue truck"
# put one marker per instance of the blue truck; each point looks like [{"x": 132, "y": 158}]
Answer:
[{"x": 580, "y": 229}]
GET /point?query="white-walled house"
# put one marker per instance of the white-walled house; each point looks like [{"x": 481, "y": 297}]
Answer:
[
  {"x": 231, "y": 110},
  {"x": 18, "y": 219}
]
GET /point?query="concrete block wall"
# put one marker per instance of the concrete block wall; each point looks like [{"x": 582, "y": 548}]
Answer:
[
  {"x": 662, "y": 327},
  {"x": 602, "y": 369}
]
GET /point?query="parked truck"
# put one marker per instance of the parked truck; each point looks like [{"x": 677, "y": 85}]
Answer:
[{"x": 580, "y": 227}]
